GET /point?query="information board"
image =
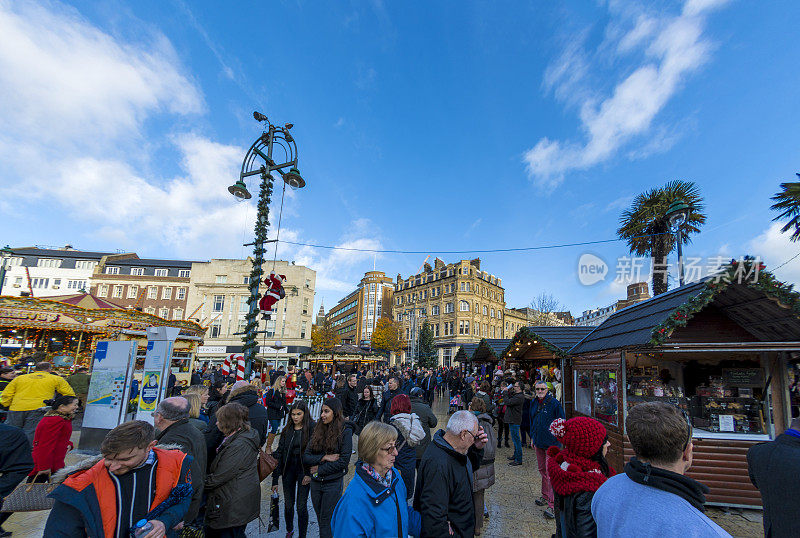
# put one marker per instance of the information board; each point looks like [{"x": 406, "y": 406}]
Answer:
[{"x": 109, "y": 384}]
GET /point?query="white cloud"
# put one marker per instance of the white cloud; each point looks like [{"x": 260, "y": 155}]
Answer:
[
  {"x": 672, "y": 48},
  {"x": 774, "y": 248}
]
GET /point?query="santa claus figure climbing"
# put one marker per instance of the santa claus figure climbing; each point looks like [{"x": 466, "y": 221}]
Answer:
[{"x": 274, "y": 294}]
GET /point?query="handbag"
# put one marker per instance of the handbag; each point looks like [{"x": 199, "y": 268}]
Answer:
[
  {"x": 29, "y": 497},
  {"x": 274, "y": 513},
  {"x": 266, "y": 464}
]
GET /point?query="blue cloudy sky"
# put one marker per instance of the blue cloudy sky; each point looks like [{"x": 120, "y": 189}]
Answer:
[{"x": 422, "y": 126}]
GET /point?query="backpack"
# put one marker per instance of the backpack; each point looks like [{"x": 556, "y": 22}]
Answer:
[{"x": 410, "y": 427}]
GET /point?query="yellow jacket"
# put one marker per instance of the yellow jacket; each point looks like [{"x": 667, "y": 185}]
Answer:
[{"x": 29, "y": 391}]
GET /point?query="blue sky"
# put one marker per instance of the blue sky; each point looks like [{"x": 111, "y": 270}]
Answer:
[{"x": 424, "y": 126}]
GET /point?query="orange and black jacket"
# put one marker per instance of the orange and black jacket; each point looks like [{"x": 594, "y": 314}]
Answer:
[{"x": 86, "y": 502}]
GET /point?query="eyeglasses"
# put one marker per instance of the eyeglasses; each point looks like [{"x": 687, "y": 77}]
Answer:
[
  {"x": 541, "y": 390},
  {"x": 390, "y": 449},
  {"x": 472, "y": 434},
  {"x": 688, "y": 429}
]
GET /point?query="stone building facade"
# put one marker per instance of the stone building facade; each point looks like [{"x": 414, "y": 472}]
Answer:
[
  {"x": 513, "y": 320},
  {"x": 461, "y": 302},
  {"x": 354, "y": 318},
  {"x": 158, "y": 287},
  {"x": 218, "y": 299}
]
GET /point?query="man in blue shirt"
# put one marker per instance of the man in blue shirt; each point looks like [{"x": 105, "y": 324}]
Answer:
[{"x": 653, "y": 497}]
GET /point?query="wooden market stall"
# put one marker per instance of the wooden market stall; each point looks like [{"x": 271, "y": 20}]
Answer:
[
  {"x": 719, "y": 349},
  {"x": 463, "y": 356},
  {"x": 65, "y": 330},
  {"x": 545, "y": 348},
  {"x": 344, "y": 357}
]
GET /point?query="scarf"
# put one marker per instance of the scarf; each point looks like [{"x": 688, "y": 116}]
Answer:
[
  {"x": 677, "y": 484},
  {"x": 383, "y": 481},
  {"x": 570, "y": 473}
]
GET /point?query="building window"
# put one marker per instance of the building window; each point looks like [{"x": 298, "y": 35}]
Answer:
[
  {"x": 184, "y": 273},
  {"x": 215, "y": 328},
  {"x": 463, "y": 327},
  {"x": 166, "y": 293},
  {"x": 162, "y": 272},
  {"x": 221, "y": 279},
  {"x": 181, "y": 294},
  {"x": 152, "y": 292},
  {"x": 448, "y": 307},
  {"x": 102, "y": 291},
  {"x": 133, "y": 292},
  {"x": 435, "y": 310},
  {"x": 84, "y": 264},
  {"x": 177, "y": 313},
  {"x": 242, "y": 326},
  {"x": 48, "y": 262},
  {"x": 435, "y": 328},
  {"x": 137, "y": 271},
  {"x": 117, "y": 292},
  {"x": 491, "y": 313},
  {"x": 150, "y": 310},
  {"x": 39, "y": 283},
  {"x": 308, "y": 283},
  {"x": 485, "y": 310},
  {"x": 305, "y": 306},
  {"x": 246, "y": 280},
  {"x": 112, "y": 270},
  {"x": 76, "y": 284},
  {"x": 243, "y": 306},
  {"x": 219, "y": 303},
  {"x": 463, "y": 306},
  {"x": 164, "y": 313},
  {"x": 476, "y": 329},
  {"x": 303, "y": 329}
]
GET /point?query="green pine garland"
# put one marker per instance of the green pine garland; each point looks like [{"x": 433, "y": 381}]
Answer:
[
  {"x": 767, "y": 283},
  {"x": 526, "y": 334}
]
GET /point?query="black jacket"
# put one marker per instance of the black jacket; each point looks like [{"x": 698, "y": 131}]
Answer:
[
  {"x": 276, "y": 404},
  {"x": 257, "y": 415},
  {"x": 386, "y": 404},
  {"x": 232, "y": 486},
  {"x": 576, "y": 511},
  {"x": 349, "y": 399},
  {"x": 444, "y": 489},
  {"x": 366, "y": 411},
  {"x": 331, "y": 470},
  {"x": 774, "y": 468},
  {"x": 15, "y": 458},
  {"x": 514, "y": 404},
  {"x": 192, "y": 442},
  {"x": 428, "y": 420},
  {"x": 281, "y": 455}
]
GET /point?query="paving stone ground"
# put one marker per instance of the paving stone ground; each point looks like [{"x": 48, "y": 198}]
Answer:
[{"x": 510, "y": 503}]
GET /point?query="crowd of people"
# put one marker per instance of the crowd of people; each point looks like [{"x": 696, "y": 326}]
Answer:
[{"x": 195, "y": 470}]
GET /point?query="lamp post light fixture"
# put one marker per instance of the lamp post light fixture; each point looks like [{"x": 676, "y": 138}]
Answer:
[
  {"x": 677, "y": 215},
  {"x": 5, "y": 254},
  {"x": 259, "y": 161}
]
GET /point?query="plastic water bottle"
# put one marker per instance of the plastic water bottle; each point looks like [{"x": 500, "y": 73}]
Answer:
[{"x": 142, "y": 527}]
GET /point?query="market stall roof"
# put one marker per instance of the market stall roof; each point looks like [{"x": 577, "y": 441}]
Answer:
[
  {"x": 558, "y": 339},
  {"x": 490, "y": 349},
  {"x": 85, "y": 300},
  {"x": 464, "y": 352},
  {"x": 767, "y": 309}
]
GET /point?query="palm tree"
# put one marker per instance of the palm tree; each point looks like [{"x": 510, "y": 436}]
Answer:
[
  {"x": 646, "y": 228},
  {"x": 788, "y": 201}
]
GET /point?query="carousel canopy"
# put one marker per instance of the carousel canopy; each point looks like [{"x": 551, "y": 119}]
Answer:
[
  {"x": 767, "y": 309},
  {"x": 85, "y": 300}
]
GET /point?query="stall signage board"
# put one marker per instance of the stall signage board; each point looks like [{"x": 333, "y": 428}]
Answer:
[
  {"x": 743, "y": 377},
  {"x": 203, "y": 350},
  {"x": 160, "y": 341},
  {"x": 726, "y": 423},
  {"x": 109, "y": 385}
]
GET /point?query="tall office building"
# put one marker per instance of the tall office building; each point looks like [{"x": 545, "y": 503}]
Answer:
[{"x": 355, "y": 317}]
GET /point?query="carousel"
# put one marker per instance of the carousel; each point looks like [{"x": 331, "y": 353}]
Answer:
[
  {"x": 64, "y": 330},
  {"x": 344, "y": 357}
]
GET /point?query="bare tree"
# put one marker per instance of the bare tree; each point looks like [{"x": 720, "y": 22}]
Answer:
[{"x": 543, "y": 310}]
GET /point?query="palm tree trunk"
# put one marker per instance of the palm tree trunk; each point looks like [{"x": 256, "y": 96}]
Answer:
[{"x": 660, "y": 267}]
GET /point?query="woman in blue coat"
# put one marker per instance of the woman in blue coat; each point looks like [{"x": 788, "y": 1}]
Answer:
[{"x": 374, "y": 504}]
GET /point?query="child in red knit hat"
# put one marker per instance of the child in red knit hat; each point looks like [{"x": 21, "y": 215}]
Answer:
[{"x": 576, "y": 471}]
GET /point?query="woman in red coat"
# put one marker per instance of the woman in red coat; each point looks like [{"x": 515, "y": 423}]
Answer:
[{"x": 51, "y": 440}]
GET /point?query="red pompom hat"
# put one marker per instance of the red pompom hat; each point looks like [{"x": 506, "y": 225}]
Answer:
[{"x": 582, "y": 436}]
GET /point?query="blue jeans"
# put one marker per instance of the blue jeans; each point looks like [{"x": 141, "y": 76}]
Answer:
[{"x": 514, "y": 429}]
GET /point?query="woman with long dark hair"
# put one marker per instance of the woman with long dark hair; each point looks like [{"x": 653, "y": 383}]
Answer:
[
  {"x": 576, "y": 471},
  {"x": 366, "y": 409},
  {"x": 327, "y": 456},
  {"x": 275, "y": 402},
  {"x": 296, "y": 477}
]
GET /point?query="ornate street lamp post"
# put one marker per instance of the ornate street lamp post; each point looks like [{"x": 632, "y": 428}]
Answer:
[
  {"x": 677, "y": 215},
  {"x": 259, "y": 161}
]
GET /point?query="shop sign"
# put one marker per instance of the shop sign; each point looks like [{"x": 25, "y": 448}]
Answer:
[
  {"x": 50, "y": 317},
  {"x": 742, "y": 377},
  {"x": 205, "y": 350}
]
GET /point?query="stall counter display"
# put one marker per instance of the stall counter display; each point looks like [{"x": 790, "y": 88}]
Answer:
[{"x": 644, "y": 385}]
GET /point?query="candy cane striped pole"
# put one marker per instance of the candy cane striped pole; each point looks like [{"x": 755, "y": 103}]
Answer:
[
  {"x": 226, "y": 365},
  {"x": 240, "y": 368}
]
